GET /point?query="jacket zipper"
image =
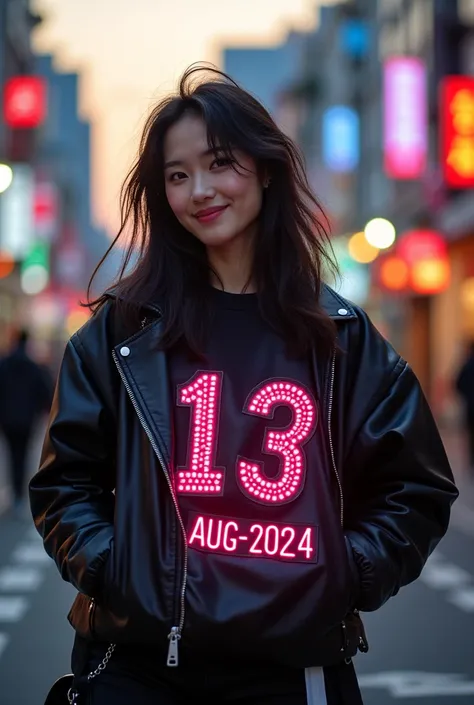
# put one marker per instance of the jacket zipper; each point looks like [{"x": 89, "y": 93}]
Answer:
[
  {"x": 175, "y": 634},
  {"x": 331, "y": 445},
  {"x": 363, "y": 643}
]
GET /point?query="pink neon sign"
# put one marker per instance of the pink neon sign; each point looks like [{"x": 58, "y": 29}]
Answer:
[
  {"x": 201, "y": 477},
  {"x": 405, "y": 139},
  {"x": 286, "y": 443},
  {"x": 203, "y": 394},
  {"x": 253, "y": 539}
]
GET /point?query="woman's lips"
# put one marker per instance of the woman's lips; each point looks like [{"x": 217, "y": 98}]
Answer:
[{"x": 209, "y": 214}]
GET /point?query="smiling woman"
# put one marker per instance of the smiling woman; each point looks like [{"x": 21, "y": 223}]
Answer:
[
  {"x": 236, "y": 461},
  {"x": 219, "y": 196}
]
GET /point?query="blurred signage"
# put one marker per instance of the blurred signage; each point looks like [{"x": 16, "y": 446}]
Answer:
[
  {"x": 419, "y": 265},
  {"x": 340, "y": 138},
  {"x": 16, "y": 213},
  {"x": 25, "y": 102},
  {"x": 354, "y": 38},
  {"x": 416, "y": 245},
  {"x": 457, "y": 131},
  {"x": 405, "y": 139},
  {"x": 45, "y": 210},
  {"x": 70, "y": 259}
]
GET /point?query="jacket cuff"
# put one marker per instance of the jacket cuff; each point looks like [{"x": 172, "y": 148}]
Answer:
[
  {"x": 363, "y": 572},
  {"x": 94, "y": 579}
]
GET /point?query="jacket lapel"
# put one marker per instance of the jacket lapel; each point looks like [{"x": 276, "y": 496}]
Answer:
[{"x": 143, "y": 366}]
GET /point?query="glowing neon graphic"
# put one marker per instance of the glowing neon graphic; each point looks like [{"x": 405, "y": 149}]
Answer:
[
  {"x": 286, "y": 443},
  {"x": 257, "y": 539},
  {"x": 203, "y": 394}
]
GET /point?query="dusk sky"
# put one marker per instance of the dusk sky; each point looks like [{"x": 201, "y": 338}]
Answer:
[{"x": 130, "y": 53}]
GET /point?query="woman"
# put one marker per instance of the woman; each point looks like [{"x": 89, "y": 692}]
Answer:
[{"x": 236, "y": 461}]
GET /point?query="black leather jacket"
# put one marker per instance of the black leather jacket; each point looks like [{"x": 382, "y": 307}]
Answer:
[{"x": 104, "y": 500}]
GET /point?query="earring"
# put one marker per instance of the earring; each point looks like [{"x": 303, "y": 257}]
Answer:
[{"x": 266, "y": 183}]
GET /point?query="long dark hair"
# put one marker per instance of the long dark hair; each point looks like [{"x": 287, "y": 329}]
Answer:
[{"x": 170, "y": 265}]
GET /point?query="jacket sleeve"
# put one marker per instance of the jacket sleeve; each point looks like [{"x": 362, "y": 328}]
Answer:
[
  {"x": 71, "y": 495},
  {"x": 402, "y": 487}
]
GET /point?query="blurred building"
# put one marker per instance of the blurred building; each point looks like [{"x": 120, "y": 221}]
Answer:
[
  {"x": 381, "y": 101},
  {"x": 18, "y": 136},
  {"x": 49, "y": 243},
  {"x": 265, "y": 71}
]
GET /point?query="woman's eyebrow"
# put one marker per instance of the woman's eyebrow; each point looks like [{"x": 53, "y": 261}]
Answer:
[{"x": 206, "y": 153}]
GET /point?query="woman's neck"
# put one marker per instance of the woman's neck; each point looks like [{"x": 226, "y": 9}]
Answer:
[{"x": 232, "y": 265}]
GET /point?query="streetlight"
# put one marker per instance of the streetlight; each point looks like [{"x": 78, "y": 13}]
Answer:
[
  {"x": 6, "y": 177},
  {"x": 380, "y": 233}
]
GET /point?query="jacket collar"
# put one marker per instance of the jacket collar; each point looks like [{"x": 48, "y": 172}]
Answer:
[{"x": 332, "y": 303}]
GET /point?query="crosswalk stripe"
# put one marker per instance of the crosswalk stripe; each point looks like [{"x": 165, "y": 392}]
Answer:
[
  {"x": 12, "y": 609},
  {"x": 30, "y": 553},
  {"x": 463, "y": 598},
  {"x": 19, "y": 578}
]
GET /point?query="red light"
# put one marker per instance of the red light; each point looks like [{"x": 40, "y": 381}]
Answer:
[
  {"x": 421, "y": 244},
  {"x": 25, "y": 102},
  {"x": 457, "y": 130}
]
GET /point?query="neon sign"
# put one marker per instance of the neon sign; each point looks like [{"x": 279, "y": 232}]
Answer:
[
  {"x": 457, "y": 131},
  {"x": 253, "y": 539},
  {"x": 286, "y": 443},
  {"x": 201, "y": 477},
  {"x": 203, "y": 394},
  {"x": 405, "y": 139}
]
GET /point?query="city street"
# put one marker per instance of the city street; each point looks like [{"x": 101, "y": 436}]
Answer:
[{"x": 421, "y": 644}]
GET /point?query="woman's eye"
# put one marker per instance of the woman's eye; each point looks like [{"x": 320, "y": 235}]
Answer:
[
  {"x": 177, "y": 176},
  {"x": 221, "y": 161}
]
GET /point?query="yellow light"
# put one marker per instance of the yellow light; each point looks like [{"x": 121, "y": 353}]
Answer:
[
  {"x": 6, "y": 177},
  {"x": 360, "y": 250},
  {"x": 380, "y": 233},
  {"x": 430, "y": 276}
]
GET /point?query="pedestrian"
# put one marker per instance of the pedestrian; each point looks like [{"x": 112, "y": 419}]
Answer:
[
  {"x": 25, "y": 393},
  {"x": 465, "y": 388},
  {"x": 237, "y": 462}
]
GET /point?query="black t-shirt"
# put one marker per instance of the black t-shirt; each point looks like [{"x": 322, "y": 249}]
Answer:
[{"x": 245, "y": 437}]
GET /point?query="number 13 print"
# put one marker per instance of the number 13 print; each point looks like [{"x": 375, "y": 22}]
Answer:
[{"x": 203, "y": 393}]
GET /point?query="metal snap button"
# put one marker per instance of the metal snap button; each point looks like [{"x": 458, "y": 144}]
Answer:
[
  {"x": 342, "y": 312},
  {"x": 125, "y": 352}
]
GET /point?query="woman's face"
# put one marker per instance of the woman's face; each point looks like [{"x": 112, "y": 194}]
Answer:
[{"x": 218, "y": 202}]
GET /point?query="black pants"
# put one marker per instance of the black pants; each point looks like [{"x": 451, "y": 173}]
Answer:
[
  {"x": 138, "y": 675},
  {"x": 18, "y": 444}
]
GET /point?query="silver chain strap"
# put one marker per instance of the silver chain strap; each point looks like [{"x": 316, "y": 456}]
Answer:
[
  {"x": 72, "y": 695},
  {"x": 103, "y": 664}
]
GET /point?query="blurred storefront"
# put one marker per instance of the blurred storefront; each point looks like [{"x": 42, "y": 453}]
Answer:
[
  {"x": 383, "y": 108},
  {"x": 49, "y": 243}
]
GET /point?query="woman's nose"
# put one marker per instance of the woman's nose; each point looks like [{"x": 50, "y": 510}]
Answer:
[{"x": 202, "y": 188}]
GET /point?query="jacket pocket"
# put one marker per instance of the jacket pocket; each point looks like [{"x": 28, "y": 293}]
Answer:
[
  {"x": 356, "y": 577},
  {"x": 79, "y": 616}
]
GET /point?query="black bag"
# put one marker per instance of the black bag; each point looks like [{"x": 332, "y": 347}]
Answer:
[{"x": 60, "y": 691}]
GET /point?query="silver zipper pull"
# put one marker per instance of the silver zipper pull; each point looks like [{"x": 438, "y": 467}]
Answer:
[{"x": 174, "y": 636}]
